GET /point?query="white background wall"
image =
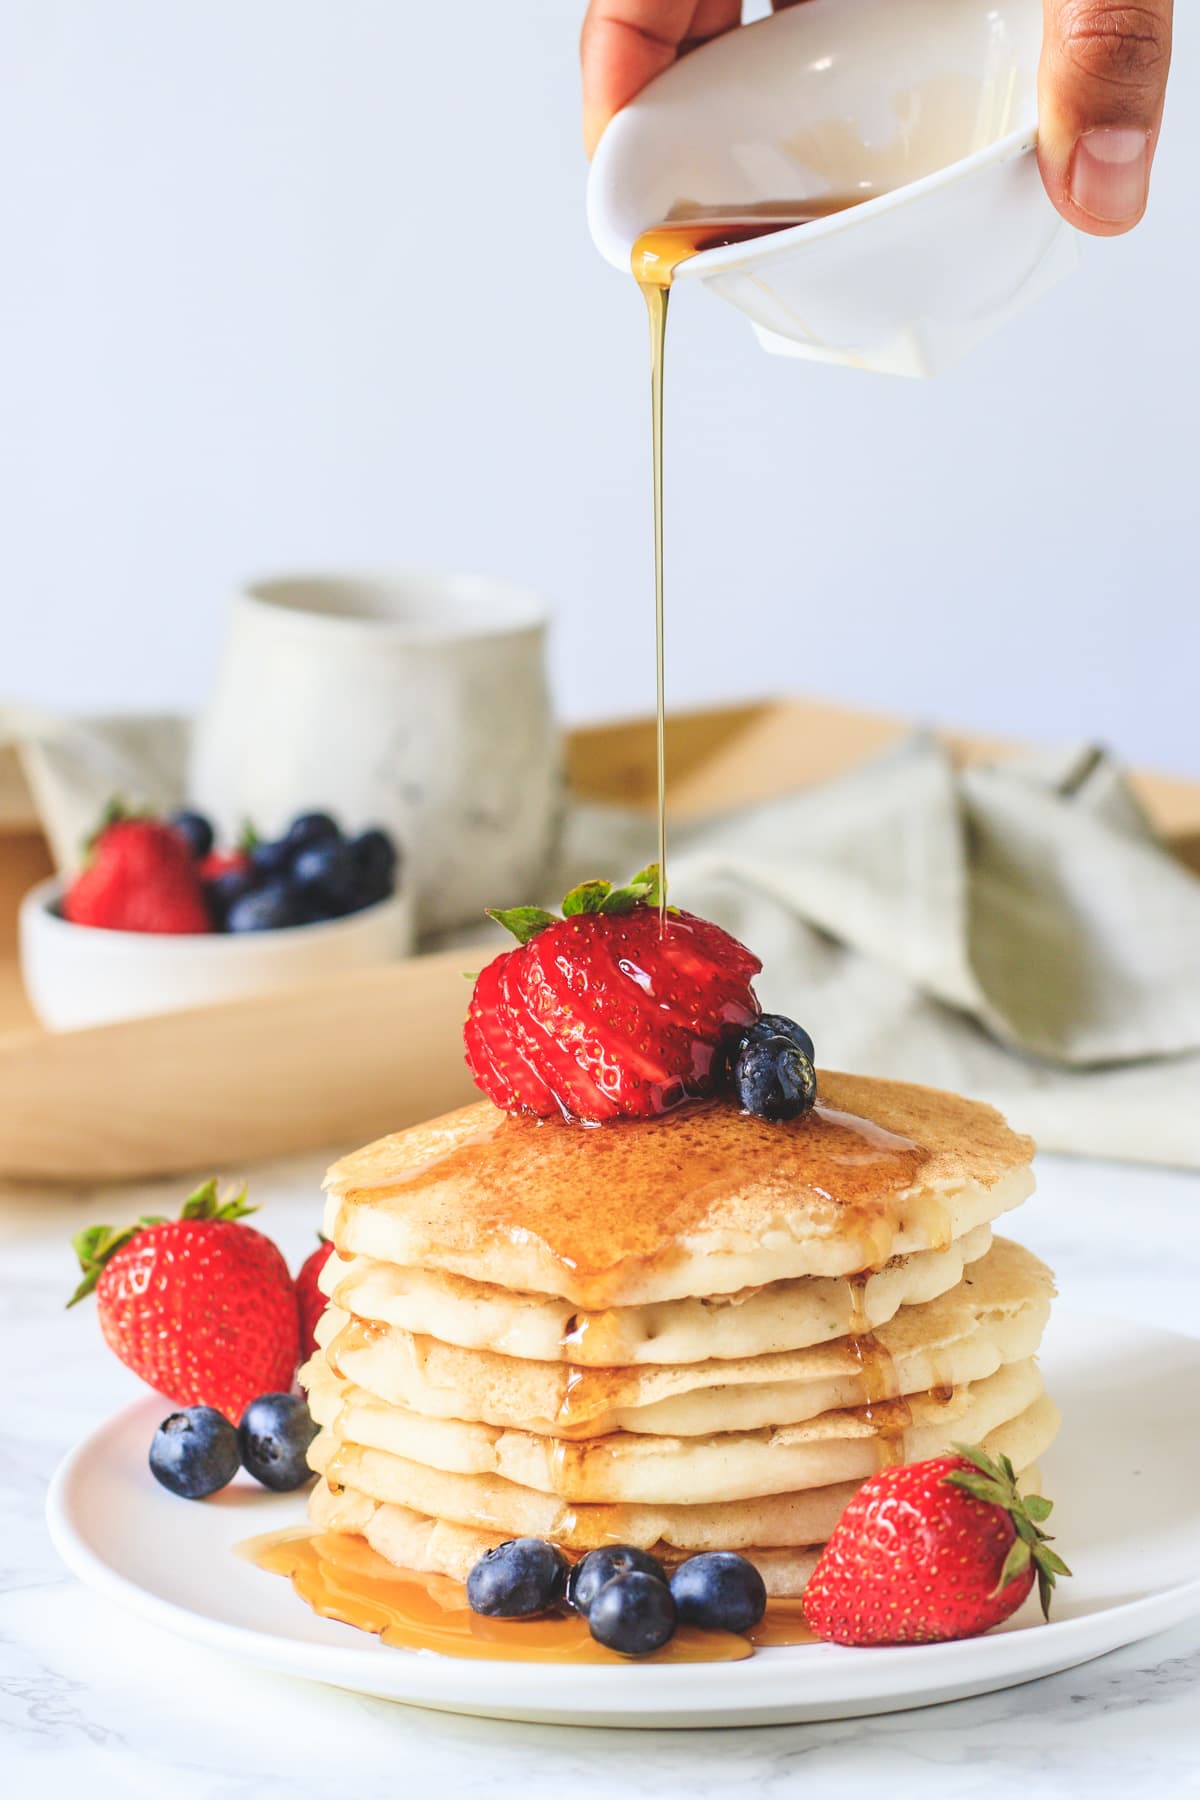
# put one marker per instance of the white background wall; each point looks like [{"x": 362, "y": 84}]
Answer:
[{"x": 293, "y": 282}]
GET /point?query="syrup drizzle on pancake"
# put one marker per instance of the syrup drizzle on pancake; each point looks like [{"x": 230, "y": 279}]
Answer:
[
  {"x": 884, "y": 1407},
  {"x": 618, "y": 1195}
]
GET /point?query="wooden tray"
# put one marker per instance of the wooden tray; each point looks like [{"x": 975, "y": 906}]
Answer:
[{"x": 345, "y": 1060}]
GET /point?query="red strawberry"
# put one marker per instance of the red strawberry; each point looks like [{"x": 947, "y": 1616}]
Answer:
[
  {"x": 932, "y": 1550},
  {"x": 202, "y": 1307},
  {"x": 309, "y": 1297},
  {"x": 221, "y": 862},
  {"x": 141, "y": 877},
  {"x": 491, "y": 1056},
  {"x": 609, "y": 1011}
]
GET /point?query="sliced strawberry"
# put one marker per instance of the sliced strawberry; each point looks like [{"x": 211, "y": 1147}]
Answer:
[
  {"x": 615, "y": 1009},
  {"x": 497, "y": 1064},
  {"x": 535, "y": 1019},
  {"x": 615, "y": 1030}
]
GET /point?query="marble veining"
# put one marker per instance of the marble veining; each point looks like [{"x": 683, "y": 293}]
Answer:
[{"x": 94, "y": 1703}]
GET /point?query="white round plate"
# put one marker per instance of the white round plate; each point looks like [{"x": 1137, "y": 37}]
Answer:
[{"x": 1123, "y": 1475}]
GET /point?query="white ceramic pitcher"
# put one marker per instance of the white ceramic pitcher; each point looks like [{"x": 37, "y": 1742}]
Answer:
[{"x": 416, "y": 702}]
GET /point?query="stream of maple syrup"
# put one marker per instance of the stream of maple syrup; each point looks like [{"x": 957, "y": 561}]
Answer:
[
  {"x": 656, "y": 255},
  {"x": 341, "y": 1577}
]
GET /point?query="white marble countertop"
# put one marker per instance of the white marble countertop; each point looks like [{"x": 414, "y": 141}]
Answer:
[{"x": 95, "y": 1704}]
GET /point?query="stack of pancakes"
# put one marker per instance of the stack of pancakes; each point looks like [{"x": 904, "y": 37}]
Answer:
[{"x": 696, "y": 1333}]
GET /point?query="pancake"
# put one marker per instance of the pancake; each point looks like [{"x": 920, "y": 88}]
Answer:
[
  {"x": 784, "y": 1315},
  {"x": 995, "y": 1317},
  {"x": 411, "y": 1540},
  {"x": 396, "y": 1455},
  {"x": 709, "y": 1201},
  {"x": 493, "y": 1505}
]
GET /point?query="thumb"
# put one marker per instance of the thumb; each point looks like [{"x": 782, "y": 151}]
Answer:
[{"x": 1100, "y": 99}]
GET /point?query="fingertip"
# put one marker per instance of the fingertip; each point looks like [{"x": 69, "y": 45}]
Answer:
[
  {"x": 1099, "y": 184},
  {"x": 594, "y": 122}
]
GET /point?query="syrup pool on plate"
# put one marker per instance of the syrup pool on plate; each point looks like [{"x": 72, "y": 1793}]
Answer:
[{"x": 341, "y": 1577}]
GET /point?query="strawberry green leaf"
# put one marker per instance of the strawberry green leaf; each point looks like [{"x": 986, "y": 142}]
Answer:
[
  {"x": 624, "y": 899},
  {"x": 236, "y": 1207},
  {"x": 1015, "y": 1563},
  {"x": 85, "y": 1287},
  {"x": 206, "y": 1203},
  {"x": 978, "y": 1486},
  {"x": 97, "y": 1245},
  {"x": 652, "y": 875},
  {"x": 1048, "y": 1566},
  {"x": 249, "y": 838},
  {"x": 588, "y": 897},
  {"x": 203, "y": 1202},
  {"x": 1038, "y": 1507},
  {"x": 523, "y": 921},
  {"x": 983, "y": 1463}
]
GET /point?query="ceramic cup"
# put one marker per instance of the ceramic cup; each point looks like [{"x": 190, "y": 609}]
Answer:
[
  {"x": 415, "y": 702},
  {"x": 923, "y": 112}
]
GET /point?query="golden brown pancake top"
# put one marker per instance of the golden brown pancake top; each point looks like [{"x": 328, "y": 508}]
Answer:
[{"x": 598, "y": 1200}]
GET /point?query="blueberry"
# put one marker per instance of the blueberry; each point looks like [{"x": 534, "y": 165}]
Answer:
[
  {"x": 633, "y": 1613},
  {"x": 375, "y": 860},
  {"x": 779, "y": 1025},
  {"x": 719, "y": 1591},
  {"x": 274, "y": 1435},
  {"x": 224, "y": 889},
  {"x": 598, "y": 1567},
  {"x": 311, "y": 828},
  {"x": 774, "y": 1078},
  {"x": 271, "y": 857},
  {"x": 326, "y": 875},
  {"x": 195, "y": 828},
  {"x": 271, "y": 907},
  {"x": 195, "y": 1452},
  {"x": 517, "y": 1579}
]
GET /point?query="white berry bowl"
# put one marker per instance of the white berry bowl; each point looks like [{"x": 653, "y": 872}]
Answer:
[
  {"x": 922, "y": 112},
  {"x": 78, "y": 975}
]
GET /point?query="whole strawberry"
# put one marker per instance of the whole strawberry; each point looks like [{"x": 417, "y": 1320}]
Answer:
[
  {"x": 613, "y": 1010},
  {"x": 309, "y": 1297},
  {"x": 141, "y": 876},
  {"x": 202, "y": 1307},
  {"x": 932, "y": 1550}
]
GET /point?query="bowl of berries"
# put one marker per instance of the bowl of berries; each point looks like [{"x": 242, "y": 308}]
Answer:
[{"x": 160, "y": 918}]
